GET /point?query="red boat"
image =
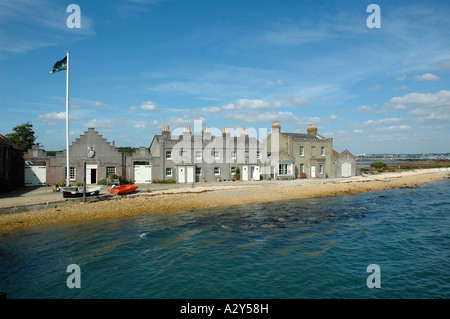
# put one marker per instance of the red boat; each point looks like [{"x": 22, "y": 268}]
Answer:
[{"x": 122, "y": 189}]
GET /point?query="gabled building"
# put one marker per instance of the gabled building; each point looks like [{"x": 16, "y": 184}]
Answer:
[
  {"x": 307, "y": 155},
  {"x": 101, "y": 157}
]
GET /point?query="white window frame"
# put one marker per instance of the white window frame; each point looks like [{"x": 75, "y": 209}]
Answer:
[
  {"x": 168, "y": 154},
  {"x": 322, "y": 151},
  {"x": 233, "y": 155},
  {"x": 169, "y": 170},
  {"x": 107, "y": 173},
  {"x": 233, "y": 171},
  {"x": 218, "y": 171},
  {"x": 320, "y": 169},
  {"x": 72, "y": 177},
  {"x": 198, "y": 155},
  {"x": 302, "y": 168},
  {"x": 216, "y": 155},
  {"x": 284, "y": 169},
  {"x": 302, "y": 151}
]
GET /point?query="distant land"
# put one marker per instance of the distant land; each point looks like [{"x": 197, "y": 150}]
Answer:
[{"x": 404, "y": 157}]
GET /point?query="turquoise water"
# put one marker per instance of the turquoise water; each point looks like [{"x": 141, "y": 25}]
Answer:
[{"x": 313, "y": 248}]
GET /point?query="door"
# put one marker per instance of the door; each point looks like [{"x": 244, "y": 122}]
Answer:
[
  {"x": 142, "y": 173},
  {"x": 190, "y": 174},
  {"x": 346, "y": 169},
  {"x": 313, "y": 171},
  {"x": 35, "y": 175},
  {"x": 181, "y": 174},
  {"x": 91, "y": 173},
  {"x": 256, "y": 173},
  {"x": 245, "y": 173}
]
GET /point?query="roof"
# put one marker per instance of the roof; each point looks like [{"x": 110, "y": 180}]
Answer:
[{"x": 14, "y": 145}]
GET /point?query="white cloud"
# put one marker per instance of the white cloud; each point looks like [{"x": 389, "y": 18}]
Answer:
[
  {"x": 298, "y": 101},
  {"x": 243, "y": 104},
  {"x": 133, "y": 108},
  {"x": 401, "y": 78},
  {"x": 55, "y": 118},
  {"x": 398, "y": 128},
  {"x": 364, "y": 108},
  {"x": 149, "y": 106},
  {"x": 382, "y": 121},
  {"x": 375, "y": 88},
  {"x": 139, "y": 126},
  {"x": 440, "y": 98},
  {"x": 102, "y": 124},
  {"x": 426, "y": 77}
]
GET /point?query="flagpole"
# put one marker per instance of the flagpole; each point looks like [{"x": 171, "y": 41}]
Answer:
[{"x": 67, "y": 122}]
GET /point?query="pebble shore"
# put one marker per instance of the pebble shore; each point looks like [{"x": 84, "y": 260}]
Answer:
[{"x": 211, "y": 196}]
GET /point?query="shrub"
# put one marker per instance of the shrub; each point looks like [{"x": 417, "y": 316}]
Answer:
[
  {"x": 379, "y": 165},
  {"x": 302, "y": 175},
  {"x": 237, "y": 173}
]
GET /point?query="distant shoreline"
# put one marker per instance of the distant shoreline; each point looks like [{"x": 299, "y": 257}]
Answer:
[{"x": 210, "y": 196}]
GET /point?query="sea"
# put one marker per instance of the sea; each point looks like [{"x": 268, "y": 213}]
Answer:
[{"x": 390, "y": 244}]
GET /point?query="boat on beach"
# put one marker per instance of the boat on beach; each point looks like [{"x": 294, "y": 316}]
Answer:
[
  {"x": 77, "y": 191},
  {"x": 124, "y": 189}
]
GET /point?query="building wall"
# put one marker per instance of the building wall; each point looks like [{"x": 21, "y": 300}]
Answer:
[{"x": 12, "y": 165}]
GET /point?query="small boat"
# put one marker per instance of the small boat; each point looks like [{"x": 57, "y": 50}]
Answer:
[
  {"x": 124, "y": 189},
  {"x": 78, "y": 191}
]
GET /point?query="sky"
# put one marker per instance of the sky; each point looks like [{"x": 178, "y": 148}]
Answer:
[{"x": 136, "y": 65}]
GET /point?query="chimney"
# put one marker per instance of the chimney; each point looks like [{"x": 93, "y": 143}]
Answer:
[
  {"x": 276, "y": 127},
  {"x": 206, "y": 131},
  {"x": 225, "y": 132},
  {"x": 312, "y": 130},
  {"x": 187, "y": 131},
  {"x": 165, "y": 130},
  {"x": 244, "y": 132},
  {"x": 113, "y": 143}
]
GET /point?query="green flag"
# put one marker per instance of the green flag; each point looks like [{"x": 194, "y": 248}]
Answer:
[{"x": 60, "y": 66}]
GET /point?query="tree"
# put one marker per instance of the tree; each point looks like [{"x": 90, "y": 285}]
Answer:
[{"x": 23, "y": 136}]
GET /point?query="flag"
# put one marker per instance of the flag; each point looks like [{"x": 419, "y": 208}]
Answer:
[{"x": 60, "y": 66}]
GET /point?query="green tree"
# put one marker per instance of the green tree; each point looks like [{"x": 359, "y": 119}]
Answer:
[{"x": 23, "y": 135}]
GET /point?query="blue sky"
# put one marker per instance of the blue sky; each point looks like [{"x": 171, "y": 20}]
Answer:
[{"x": 137, "y": 65}]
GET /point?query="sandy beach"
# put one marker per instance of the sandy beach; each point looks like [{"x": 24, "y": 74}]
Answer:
[{"x": 218, "y": 194}]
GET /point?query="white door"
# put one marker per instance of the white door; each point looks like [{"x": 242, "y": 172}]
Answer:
[
  {"x": 35, "y": 175},
  {"x": 313, "y": 171},
  {"x": 346, "y": 169},
  {"x": 190, "y": 174},
  {"x": 245, "y": 173},
  {"x": 142, "y": 173},
  {"x": 91, "y": 173},
  {"x": 256, "y": 173},
  {"x": 181, "y": 174}
]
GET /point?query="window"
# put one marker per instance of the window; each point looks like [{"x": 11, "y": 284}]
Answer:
[
  {"x": 313, "y": 151},
  {"x": 322, "y": 151},
  {"x": 168, "y": 172},
  {"x": 216, "y": 154},
  {"x": 233, "y": 171},
  {"x": 302, "y": 168},
  {"x": 216, "y": 171},
  {"x": 198, "y": 171},
  {"x": 284, "y": 169},
  {"x": 109, "y": 170},
  {"x": 198, "y": 154},
  {"x": 320, "y": 169},
  {"x": 168, "y": 154},
  {"x": 233, "y": 155},
  {"x": 258, "y": 155},
  {"x": 71, "y": 173},
  {"x": 302, "y": 151}
]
